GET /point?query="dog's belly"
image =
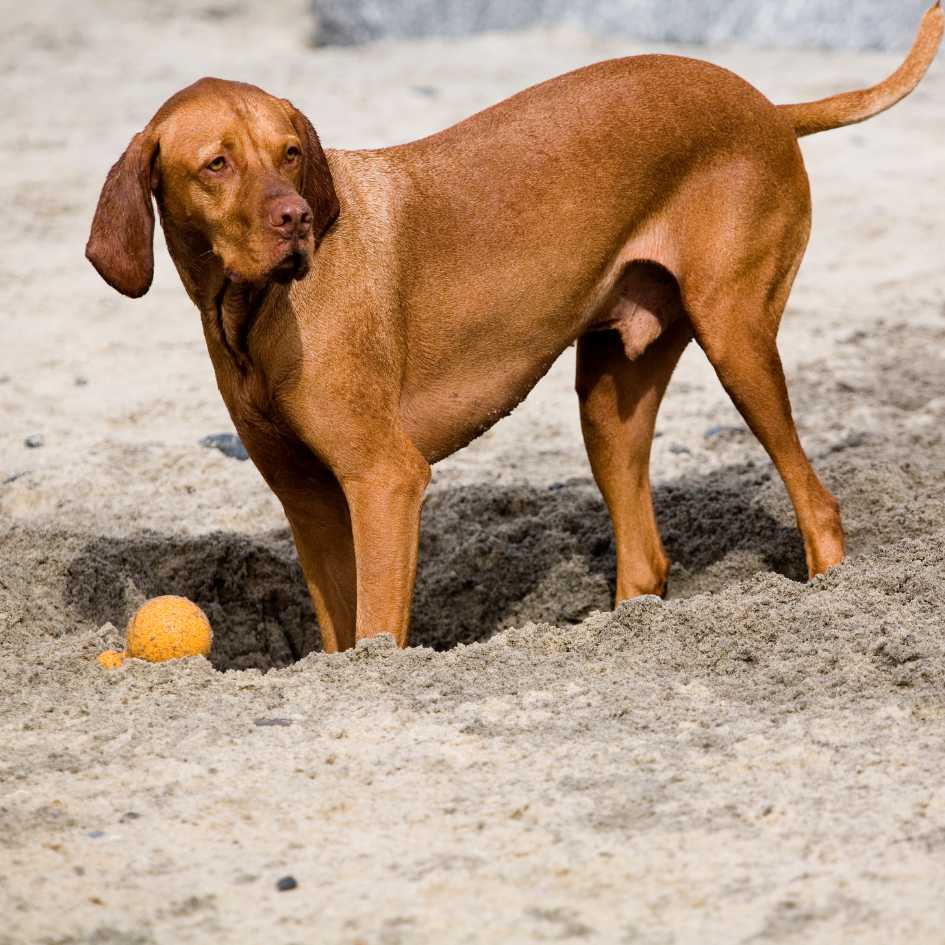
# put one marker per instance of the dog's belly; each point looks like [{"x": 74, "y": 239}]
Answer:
[
  {"x": 452, "y": 410},
  {"x": 491, "y": 366}
]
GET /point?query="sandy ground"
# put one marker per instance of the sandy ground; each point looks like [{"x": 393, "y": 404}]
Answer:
[{"x": 755, "y": 759}]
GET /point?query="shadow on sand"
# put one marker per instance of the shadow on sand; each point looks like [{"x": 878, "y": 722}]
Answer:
[{"x": 491, "y": 557}]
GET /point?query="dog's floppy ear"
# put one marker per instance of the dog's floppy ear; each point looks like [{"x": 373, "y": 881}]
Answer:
[
  {"x": 317, "y": 188},
  {"x": 120, "y": 245}
]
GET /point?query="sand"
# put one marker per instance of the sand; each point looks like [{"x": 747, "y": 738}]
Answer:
[{"x": 755, "y": 759}]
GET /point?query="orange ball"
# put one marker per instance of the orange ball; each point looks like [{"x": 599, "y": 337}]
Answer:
[{"x": 168, "y": 628}]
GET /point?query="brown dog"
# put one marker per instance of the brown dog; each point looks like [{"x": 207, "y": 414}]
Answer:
[{"x": 370, "y": 312}]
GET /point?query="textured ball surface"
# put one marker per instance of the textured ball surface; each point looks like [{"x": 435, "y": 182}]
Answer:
[{"x": 168, "y": 628}]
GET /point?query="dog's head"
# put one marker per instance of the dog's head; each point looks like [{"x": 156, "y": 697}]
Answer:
[{"x": 239, "y": 177}]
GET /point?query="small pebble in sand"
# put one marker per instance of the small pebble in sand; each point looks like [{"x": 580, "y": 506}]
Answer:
[
  {"x": 34, "y": 441},
  {"x": 722, "y": 430},
  {"x": 229, "y": 444},
  {"x": 111, "y": 659},
  {"x": 286, "y": 883}
]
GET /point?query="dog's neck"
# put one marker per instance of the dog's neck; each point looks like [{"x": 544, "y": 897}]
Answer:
[
  {"x": 230, "y": 316},
  {"x": 228, "y": 309}
]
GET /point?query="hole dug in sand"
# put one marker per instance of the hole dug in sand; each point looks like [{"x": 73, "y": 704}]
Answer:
[
  {"x": 250, "y": 588},
  {"x": 491, "y": 557}
]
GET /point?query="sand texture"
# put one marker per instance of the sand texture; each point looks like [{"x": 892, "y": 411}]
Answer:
[{"x": 754, "y": 760}]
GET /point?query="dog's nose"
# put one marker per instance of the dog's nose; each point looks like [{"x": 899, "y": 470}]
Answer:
[{"x": 290, "y": 216}]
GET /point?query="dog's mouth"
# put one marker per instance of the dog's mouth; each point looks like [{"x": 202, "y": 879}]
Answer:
[{"x": 294, "y": 265}]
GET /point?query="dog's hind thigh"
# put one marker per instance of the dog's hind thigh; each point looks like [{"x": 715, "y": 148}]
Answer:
[{"x": 619, "y": 401}]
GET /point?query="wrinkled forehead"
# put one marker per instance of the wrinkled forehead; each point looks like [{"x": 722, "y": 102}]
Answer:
[{"x": 227, "y": 115}]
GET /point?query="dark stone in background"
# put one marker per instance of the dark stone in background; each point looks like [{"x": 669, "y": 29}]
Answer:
[
  {"x": 229, "y": 444},
  {"x": 840, "y": 24}
]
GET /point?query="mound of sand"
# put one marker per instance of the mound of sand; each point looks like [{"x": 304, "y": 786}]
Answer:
[{"x": 564, "y": 756}]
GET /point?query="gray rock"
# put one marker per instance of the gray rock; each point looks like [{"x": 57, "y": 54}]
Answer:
[
  {"x": 723, "y": 430},
  {"x": 34, "y": 441},
  {"x": 855, "y": 24},
  {"x": 229, "y": 444}
]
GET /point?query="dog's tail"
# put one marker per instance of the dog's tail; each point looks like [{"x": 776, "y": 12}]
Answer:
[{"x": 810, "y": 117}]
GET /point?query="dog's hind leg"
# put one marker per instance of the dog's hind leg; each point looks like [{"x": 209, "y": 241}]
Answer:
[
  {"x": 736, "y": 325},
  {"x": 619, "y": 401}
]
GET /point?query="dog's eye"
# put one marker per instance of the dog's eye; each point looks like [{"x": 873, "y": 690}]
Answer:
[
  {"x": 292, "y": 154},
  {"x": 217, "y": 164}
]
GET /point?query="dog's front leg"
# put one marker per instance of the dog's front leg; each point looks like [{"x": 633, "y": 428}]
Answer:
[
  {"x": 384, "y": 502},
  {"x": 361, "y": 441},
  {"x": 322, "y": 533}
]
